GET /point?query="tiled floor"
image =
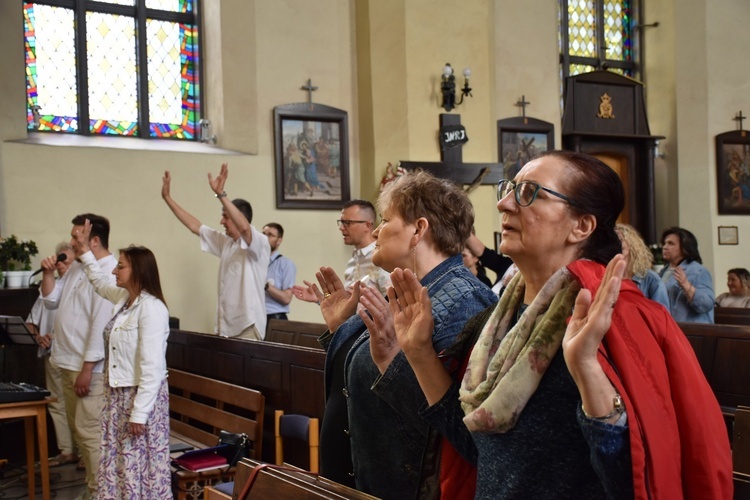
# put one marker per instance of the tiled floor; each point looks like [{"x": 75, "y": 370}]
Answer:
[{"x": 66, "y": 483}]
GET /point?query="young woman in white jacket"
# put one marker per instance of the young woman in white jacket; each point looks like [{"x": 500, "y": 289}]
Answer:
[{"x": 134, "y": 459}]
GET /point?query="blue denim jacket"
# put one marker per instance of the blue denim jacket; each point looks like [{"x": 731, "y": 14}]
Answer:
[
  {"x": 652, "y": 287},
  {"x": 701, "y": 309},
  {"x": 389, "y": 439}
]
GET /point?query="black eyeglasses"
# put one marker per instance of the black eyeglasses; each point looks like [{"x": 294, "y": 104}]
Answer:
[
  {"x": 525, "y": 192},
  {"x": 347, "y": 223}
]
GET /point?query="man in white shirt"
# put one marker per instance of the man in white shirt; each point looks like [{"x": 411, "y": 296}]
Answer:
[
  {"x": 78, "y": 348},
  {"x": 244, "y": 255},
  {"x": 356, "y": 224}
]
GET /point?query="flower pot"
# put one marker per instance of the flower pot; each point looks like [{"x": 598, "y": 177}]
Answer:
[
  {"x": 657, "y": 268},
  {"x": 26, "y": 278},
  {"x": 14, "y": 279}
]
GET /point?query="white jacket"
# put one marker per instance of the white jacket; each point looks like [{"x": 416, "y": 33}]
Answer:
[{"x": 138, "y": 342}]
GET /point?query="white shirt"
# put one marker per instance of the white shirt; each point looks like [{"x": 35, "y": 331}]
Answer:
[
  {"x": 242, "y": 278},
  {"x": 361, "y": 268},
  {"x": 44, "y": 319},
  {"x": 81, "y": 317}
]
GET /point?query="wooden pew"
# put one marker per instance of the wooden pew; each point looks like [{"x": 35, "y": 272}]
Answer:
[
  {"x": 297, "y": 333},
  {"x": 732, "y": 316},
  {"x": 723, "y": 352},
  {"x": 289, "y": 377},
  {"x": 269, "y": 481},
  {"x": 199, "y": 409}
]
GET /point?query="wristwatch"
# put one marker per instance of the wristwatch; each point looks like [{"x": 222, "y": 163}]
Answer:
[{"x": 221, "y": 195}]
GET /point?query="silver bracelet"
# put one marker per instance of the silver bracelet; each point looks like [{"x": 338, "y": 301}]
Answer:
[
  {"x": 221, "y": 195},
  {"x": 618, "y": 409}
]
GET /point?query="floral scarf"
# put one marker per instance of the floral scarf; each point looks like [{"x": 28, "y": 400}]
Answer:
[{"x": 506, "y": 366}]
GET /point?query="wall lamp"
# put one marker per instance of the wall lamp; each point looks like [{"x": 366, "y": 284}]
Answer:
[
  {"x": 204, "y": 133},
  {"x": 448, "y": 87},
  {"x": 36, "y": 116}
]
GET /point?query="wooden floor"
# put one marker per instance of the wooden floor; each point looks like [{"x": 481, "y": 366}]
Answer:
[{"x": 66, "y": 483}]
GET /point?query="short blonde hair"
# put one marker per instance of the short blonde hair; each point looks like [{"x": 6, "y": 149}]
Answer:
[
  {"x": 641, "y": 258},
  {"x": 446, "y": 207}
]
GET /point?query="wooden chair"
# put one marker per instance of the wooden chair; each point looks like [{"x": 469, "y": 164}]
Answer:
[
  {"x": 200, "y": 408},
  {"x": 299, "y": 427}
]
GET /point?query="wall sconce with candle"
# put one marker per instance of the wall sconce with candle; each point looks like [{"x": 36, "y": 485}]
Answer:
[{"x": 448, "y": 87}]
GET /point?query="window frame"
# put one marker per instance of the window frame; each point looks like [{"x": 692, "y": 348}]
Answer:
[
  {"x": 141, "y": 14},
  {"x": 601, "y": 62}
]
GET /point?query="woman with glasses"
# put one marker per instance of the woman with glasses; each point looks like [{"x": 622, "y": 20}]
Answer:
[
  {"x": 372, "y": 396},
  {"x": 576, "y": 385}
]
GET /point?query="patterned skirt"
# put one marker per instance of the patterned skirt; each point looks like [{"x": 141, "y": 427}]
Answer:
[{"x": 134, "y": 467}]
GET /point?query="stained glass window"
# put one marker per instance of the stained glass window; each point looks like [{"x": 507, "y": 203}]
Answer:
[
  {"x": 598, "y": 34},
  {"x": 135, "y": 80}
]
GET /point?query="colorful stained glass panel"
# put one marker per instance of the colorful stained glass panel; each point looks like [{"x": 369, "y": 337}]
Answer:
[
  {"x": 118, "y": 2},
  {"x": 173, "y": 86},
  {"x": 617, "y": 30},
  {"x": 171, "y": 5},
  {"x": 50, "y": 68},
  {"x": 112, "y": 76}
]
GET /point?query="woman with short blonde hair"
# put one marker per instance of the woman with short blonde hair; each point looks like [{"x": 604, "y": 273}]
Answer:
[{"x": 639, "y": 261}]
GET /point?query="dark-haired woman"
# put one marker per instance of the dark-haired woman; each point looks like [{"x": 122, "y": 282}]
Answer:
[
  {"x": 689, "y": 284},
  {"x": 134, "y": 459},
  {"x": 577, "y": 386}
]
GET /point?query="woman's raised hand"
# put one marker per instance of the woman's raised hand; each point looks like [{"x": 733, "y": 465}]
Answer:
[
  {"x": 378, "y": 318},
  {"x": 337, "y": 304},
  {"x": 411, "y": 308},
  {"x": 590, "y": 322}
]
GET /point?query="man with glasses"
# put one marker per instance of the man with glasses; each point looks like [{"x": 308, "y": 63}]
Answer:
[
  {"x": 356, "y": 224},
  {"x": 281, "y": 275}
]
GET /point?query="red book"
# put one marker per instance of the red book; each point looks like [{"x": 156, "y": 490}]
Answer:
[{"x": 200, "y": 460}]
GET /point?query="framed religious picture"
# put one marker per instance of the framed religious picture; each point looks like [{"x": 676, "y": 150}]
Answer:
[
  {"x": 733, "y": 172},
  {"x": 312, "y": 156},
  {"x": 519, "y": 140}
]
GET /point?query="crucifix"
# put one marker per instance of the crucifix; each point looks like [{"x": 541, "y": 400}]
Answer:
[
  {"x": 739, "y": 118},
  {"x": 310, "y": 88},
  {"x": 522, "y": 104}
]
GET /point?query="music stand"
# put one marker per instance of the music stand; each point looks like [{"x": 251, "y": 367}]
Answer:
[{"x": 13, "y": 330}]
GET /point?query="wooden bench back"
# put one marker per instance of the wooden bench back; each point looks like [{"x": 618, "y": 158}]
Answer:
[
  {"x": 297, "y": 333},
  {"x": 201, "y": 407},
  {"x": 732, "y": 316},
  {"x": 723, "y": 351}
]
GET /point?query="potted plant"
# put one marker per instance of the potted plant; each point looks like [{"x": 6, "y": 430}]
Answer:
[
  {"x": 15, "y": 258},
  {"x": 658, "y": 264}
]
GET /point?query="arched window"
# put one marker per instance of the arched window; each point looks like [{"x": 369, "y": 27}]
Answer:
[
  {"x": 599, "y": 34},
  {"x": 113, "y": 67}
]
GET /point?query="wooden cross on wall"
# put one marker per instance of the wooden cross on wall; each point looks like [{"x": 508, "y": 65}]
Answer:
[
  {"x": 739, "y": 118},
  {"x": 522, "y": 104},
  {"x": 310, "y": 88}
]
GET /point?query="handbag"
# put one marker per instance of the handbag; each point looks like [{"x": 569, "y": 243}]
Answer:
[{"x": 236, "y": 446}]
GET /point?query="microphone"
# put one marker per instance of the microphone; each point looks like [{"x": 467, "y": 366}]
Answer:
[{"x": 61, "y": 257}]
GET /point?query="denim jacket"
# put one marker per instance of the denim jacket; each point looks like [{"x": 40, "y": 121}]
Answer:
[
  {"x": 701, "y": 309},
  {"x": 391, "y": 443}
]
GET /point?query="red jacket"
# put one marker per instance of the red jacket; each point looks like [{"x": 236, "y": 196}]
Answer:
[{"x": 678, "y": 440}]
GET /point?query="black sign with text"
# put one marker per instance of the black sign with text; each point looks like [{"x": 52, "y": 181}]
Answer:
[{"x": 452, "y": 136}]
